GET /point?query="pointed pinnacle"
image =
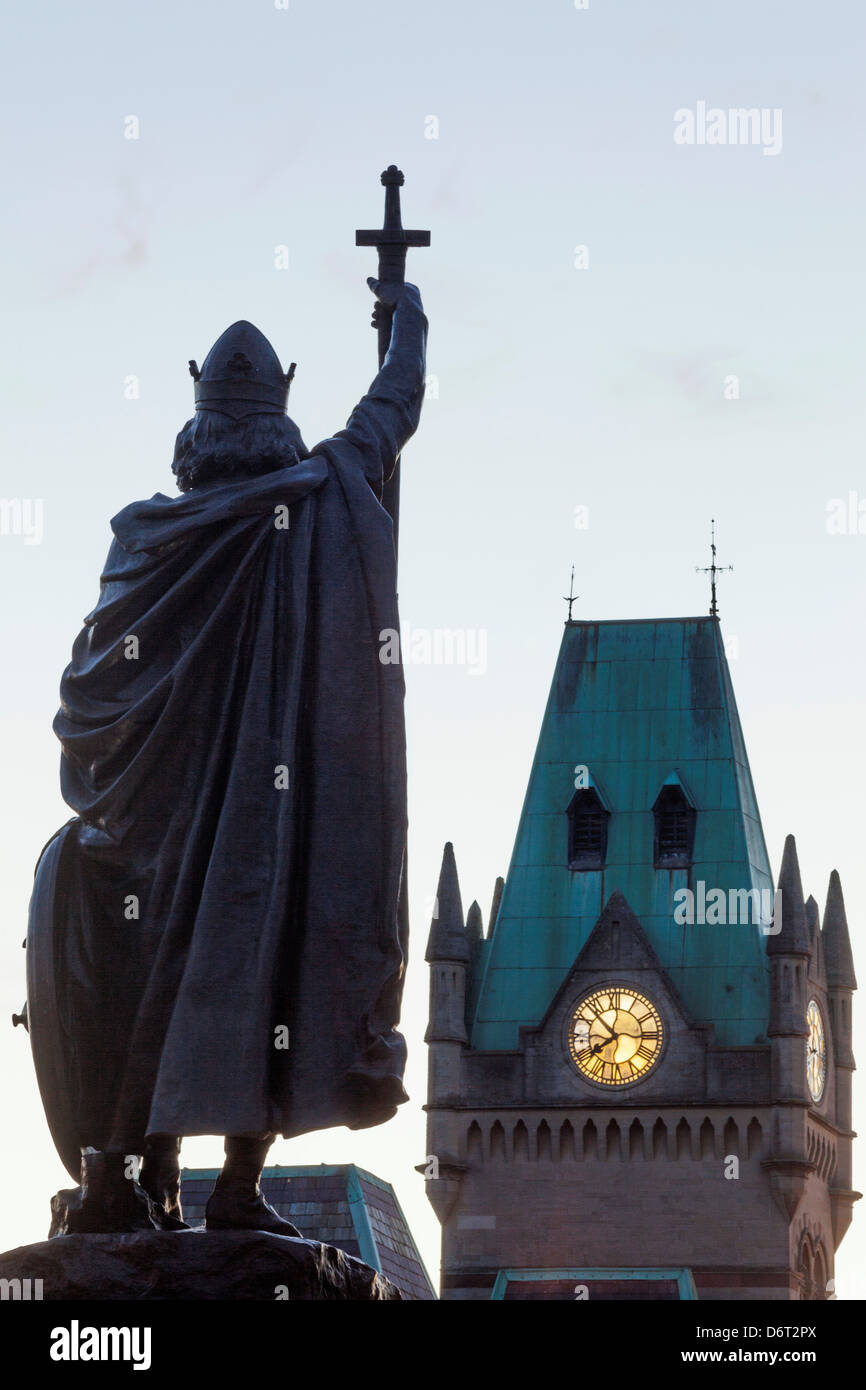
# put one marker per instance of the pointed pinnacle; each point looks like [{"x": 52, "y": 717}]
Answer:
[
  {"x": 474, "y": 924},
  {"x": 813, "y": 919},
  {"x": 794, "y": 938},
  {"x": 837, "y": 942},
  {"x": 448, "y": 940},
  {"x": 449, "y": 905},
  {"x": 498, "y": 890}
]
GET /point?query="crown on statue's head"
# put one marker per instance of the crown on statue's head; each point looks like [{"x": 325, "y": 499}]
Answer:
[{"x": 241, "y": 375}]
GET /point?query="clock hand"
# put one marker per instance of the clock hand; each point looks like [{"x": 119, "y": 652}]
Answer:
[{"x": 599, "y": 1019}]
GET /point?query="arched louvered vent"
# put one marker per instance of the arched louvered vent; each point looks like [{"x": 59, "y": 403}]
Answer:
[
  {"x": 674, "y": 829},
  {"x": 587, "y": 830}
]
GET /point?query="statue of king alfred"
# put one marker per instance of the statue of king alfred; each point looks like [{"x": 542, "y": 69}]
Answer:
[{"x": 215, "y": 943}]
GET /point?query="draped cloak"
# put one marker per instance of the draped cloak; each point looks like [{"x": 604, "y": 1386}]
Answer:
[{"x": 226, "y": 911}]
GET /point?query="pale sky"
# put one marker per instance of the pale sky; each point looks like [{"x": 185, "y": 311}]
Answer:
[{"x": 557, "y": 387}]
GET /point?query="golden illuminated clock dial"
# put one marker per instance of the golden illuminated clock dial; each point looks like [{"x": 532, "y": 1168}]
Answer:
[
  {"x": 615, "y": 1036},
  {"x": 816, "y": 1052}
]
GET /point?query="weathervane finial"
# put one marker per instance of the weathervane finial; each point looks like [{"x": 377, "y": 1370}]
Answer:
[
  {"x": 571, "y": 597},
  {"x": 712, "y": 569}
]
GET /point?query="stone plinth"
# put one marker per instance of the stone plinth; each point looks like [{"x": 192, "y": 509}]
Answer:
[{"x": 195, "y": 1266}]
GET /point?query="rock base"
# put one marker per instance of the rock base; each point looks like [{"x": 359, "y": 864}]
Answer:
[{"x": 196, "y": 1265}]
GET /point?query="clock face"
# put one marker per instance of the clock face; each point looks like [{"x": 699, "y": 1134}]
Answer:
[
  {"x": 816, "y": 1052},
  {"x": 615, "y": 1036}
]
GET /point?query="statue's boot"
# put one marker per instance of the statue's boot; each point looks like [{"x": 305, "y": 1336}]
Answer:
[
  {"x": 111, "y": 1201},
  {"x": 236, "y": 1203},
  {"x": 160, "y": 1178}
]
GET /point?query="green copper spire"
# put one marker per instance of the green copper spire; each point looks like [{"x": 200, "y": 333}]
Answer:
[{"x": 639, "y": 712}]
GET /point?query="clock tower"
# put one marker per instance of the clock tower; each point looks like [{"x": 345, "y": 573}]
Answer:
[{"x": 640, "y": 1074}]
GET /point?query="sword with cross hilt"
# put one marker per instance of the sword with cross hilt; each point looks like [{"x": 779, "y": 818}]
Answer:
[{"x": 392, "y": 241}]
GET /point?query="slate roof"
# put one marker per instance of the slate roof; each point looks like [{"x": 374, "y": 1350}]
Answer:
[
  {"x": 341, "y": 1205},
  {"x": 635, "y": 702}
]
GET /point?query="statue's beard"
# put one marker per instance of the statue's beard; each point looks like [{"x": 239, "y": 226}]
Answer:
[{"x": 212, "y": 446}]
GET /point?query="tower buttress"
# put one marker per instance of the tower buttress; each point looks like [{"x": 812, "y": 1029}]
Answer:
[
  {"x": 841, "y": 983},
  {"x": 449, "y": 955},
  {"x": 788, "y": 951}
]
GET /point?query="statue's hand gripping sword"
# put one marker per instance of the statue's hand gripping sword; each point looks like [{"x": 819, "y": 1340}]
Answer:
[{"x": 392, "y": 242}]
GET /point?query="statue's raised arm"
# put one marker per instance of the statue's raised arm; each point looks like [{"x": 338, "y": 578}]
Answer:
[{"x": 388, "y": 415}]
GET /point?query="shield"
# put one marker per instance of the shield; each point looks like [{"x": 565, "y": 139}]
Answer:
[{"x": 48, "y": 1039}]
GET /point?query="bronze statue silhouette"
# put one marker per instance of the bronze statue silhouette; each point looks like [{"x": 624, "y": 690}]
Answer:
[{"x": 216, "y": 944}]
